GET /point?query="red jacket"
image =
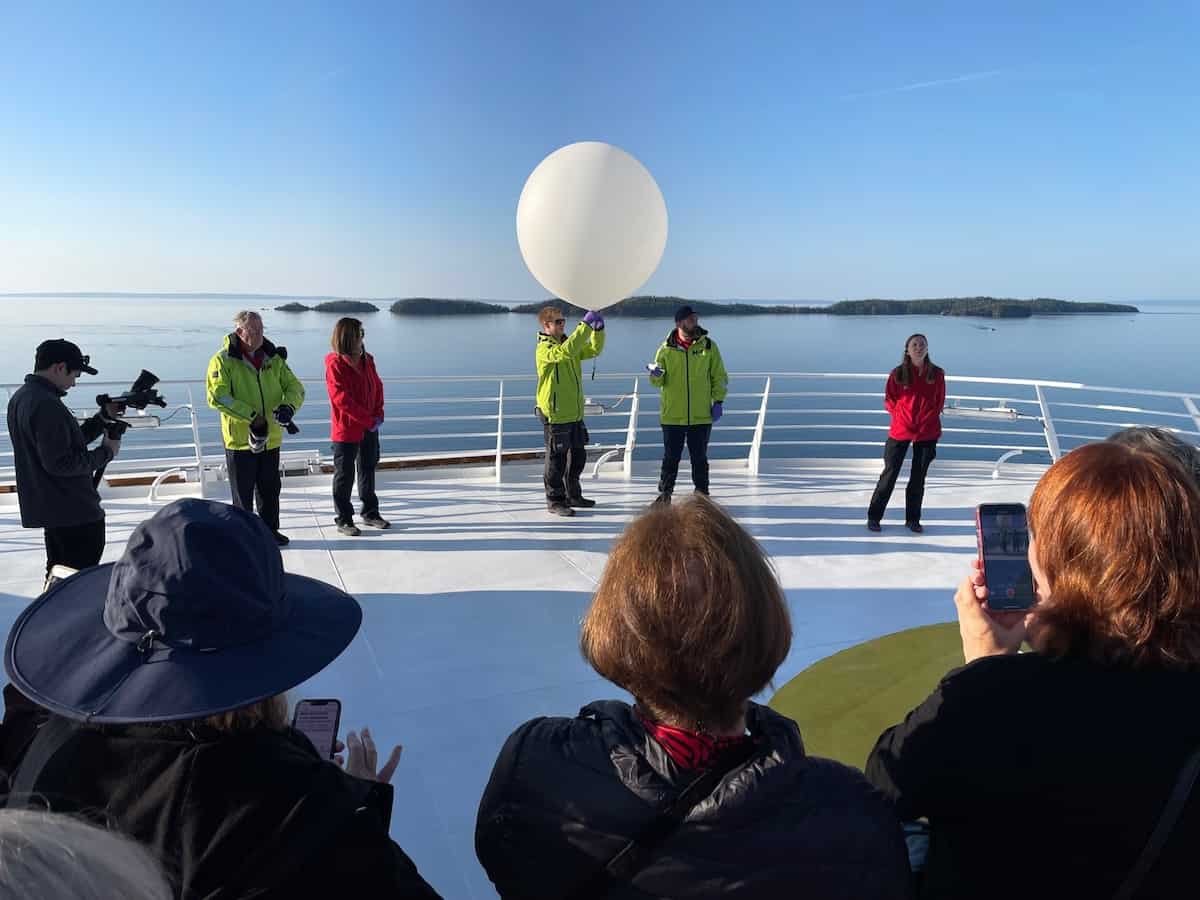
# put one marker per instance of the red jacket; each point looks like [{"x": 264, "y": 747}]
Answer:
[
  {"x": 916, "y": 408},
  {"x": 355, "y": 397}
]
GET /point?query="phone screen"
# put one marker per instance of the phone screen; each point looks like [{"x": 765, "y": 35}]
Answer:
[
  {"x": 318, "y": 721},
  {"x": 1004, "y": 549}
]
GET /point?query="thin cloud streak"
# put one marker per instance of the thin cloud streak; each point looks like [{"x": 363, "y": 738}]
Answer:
[{"x": 921, "y": 85}]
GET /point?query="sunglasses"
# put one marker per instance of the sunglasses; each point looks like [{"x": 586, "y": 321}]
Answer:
[
  {"x": 560, "y": 321},
  {"x": 362, "y": 332}
]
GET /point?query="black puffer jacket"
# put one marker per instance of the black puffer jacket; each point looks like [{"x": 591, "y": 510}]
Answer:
[
  {"x": 567, "y": 794},
  {"x": 230, "y": 816}
]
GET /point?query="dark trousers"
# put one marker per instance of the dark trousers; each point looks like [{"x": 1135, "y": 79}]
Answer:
[
  {"x": 363, "y": 456},
  {"x": 77, "y": 546},
  {"x": 566, "y": 455},
  {"x": 696, "y": 438},
  {"x": 254, "y": 478},
  {"x": 893, "y": 458}
]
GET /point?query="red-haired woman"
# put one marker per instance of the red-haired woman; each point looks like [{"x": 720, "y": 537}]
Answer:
[
  {"x": 1044, "y": 774},
  {"x": 356, "y": 412},
  {"x": 915, "y": 394}
]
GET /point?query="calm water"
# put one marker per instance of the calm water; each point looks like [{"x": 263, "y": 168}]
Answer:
[{"x": 175, "y": 337}]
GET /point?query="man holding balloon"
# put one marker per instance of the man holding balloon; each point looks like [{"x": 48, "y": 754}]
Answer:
[
  {"x": 691, "y": 375},
  {"x": 560, "y": 404},
  {"x": 592, "y": 227}
]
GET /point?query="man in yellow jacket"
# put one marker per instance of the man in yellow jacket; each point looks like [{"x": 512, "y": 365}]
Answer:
[
  {"x": 691, "y": 375},
  {"x": 250, "y": 384},
  {"x": 560, "y": 404}
]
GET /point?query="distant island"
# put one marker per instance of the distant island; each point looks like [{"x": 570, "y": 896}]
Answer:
[
  {"x": 331, "y": 306},
  {"x": 431, "y": 306},
  {"x": 989, "y": 307}
]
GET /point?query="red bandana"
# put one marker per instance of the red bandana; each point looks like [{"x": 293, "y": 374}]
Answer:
[{"x": 689, "y": 749}]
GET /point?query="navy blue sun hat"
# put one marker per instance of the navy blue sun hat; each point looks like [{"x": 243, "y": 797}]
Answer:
[{"x": 196, "y": 618}]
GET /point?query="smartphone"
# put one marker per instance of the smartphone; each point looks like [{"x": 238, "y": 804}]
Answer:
[
  {"x": 318, "y": 721},
  {"x": 1003, "y": 535}
]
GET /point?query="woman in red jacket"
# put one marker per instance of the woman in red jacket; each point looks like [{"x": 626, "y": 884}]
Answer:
[
  {"x": 356, "y": 412},
  {"x": 916, "y": 392}
]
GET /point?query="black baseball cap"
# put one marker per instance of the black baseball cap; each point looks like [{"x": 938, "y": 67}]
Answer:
[
  {"x": 60, "y": 350},
  {"x": 684, "y": 312}
]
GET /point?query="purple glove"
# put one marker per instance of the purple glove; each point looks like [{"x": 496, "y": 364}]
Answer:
[
  {"x": 594, "y": 320},
  {"x": 375, "y": 427},
  {"x": 717, "y": 412},
  {"x": 654, "y": 369}
]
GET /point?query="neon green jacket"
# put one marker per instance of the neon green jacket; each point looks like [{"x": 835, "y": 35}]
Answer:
[
  {"x": 560, "y": 372},
  {"x": 239, "y": 392},
  {"x": 692, "y": 380}
]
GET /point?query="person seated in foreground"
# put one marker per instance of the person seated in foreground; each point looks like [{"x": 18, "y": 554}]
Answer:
[
  {"x": 46, "y": 856},
  {"x": 1159, "y": 440},
  {"x": 165, "y": 674},
  {"x": 1044, "y": 774},
  {"x": 691, "y": 620}
]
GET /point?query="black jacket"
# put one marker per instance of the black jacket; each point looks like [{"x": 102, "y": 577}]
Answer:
[
  {"x": 1044, "y": 778},
  {"x": 256, "y": 814},
  {"x": 50, "y": 452},
  {"x": 567, "y": 794}
]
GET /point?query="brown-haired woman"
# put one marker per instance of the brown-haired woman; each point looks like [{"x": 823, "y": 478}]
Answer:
[
  {"x": 915, "y": 394},
  {"x": 356, "y": 412},
  {"x": 691, "y": 620},
  {"x": 1044, "y": 774}
]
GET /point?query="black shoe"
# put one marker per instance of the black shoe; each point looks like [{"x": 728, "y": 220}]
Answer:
[
  {"x": 663, "y": 498},
  {"x": 376, "y": 521},
  {"x": 349, "y": 529},
  {"x": 873, "y": 526},
  {"x": 560, "y": 508},
  {"x": 914, "y": 527},
  {"x": 580, "y": 502},
  {"x": 281, "y": 539}
]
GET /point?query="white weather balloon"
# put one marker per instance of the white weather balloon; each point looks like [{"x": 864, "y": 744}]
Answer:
[{"x": 591, "y": 224}]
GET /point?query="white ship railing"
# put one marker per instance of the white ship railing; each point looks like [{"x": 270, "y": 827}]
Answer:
[{"x": 488, "y": 419}]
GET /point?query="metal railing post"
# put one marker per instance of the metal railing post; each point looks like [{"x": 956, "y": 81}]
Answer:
[
  {"x": 196, "y": 442},
  {"x": 1192, "y": 411},
  {"x": 500, "y": 434},
  {"x": 756, "y": 444},
  {"x": 1048, "y": 425},
  {"x": 631, "y": 432}
]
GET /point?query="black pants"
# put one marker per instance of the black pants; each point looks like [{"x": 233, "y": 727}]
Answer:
[
  {"x": 893, "y": 458},
  {"x": 77, "y": 546},
  {"x": 696, "y": 438},
  {"x": 565, "y": 458},
  {"x": 346, "y": 458},
  {"x": 254, "y": 478}
]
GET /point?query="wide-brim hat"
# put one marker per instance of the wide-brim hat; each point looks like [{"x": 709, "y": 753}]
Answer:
[{"x": 195, "y": 619}]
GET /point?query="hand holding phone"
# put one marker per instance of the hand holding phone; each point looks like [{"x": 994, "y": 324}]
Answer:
[
  {"x": 318, "y": 721},
  {"x": 1002, "y": 534}
]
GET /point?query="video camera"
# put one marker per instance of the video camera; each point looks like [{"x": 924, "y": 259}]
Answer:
[{"x": 140, "y": 395}]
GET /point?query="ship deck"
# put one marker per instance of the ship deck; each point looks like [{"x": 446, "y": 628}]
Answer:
[{"x": 472, "y": 600}]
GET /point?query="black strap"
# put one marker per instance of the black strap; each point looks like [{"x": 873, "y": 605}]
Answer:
[
  {"x": 1162, "y": 831},
  {"x": 634, "y": 856},
  {"x": 49, "y": 740}
]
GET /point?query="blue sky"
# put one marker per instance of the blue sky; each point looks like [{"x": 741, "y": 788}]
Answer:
[{"x": 899, "y": 150}]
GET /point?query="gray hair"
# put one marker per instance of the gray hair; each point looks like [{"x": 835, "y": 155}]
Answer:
[
  {"x": 243, "y": 316},
  {"x": 48, "y": 855},
  {"x": 1161, "y": 442}
]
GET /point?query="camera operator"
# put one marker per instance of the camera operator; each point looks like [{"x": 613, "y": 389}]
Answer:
[
  {"x": 254, "y": 390},
  {"x": 54, "y": 466}
]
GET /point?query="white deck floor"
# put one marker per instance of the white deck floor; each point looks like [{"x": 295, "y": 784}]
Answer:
[{"x": 472, "y": 602}]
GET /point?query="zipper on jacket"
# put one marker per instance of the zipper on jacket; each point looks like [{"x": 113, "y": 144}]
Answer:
[
  {"x": 261, "y": 395},
  {"x": 687, "y": 379}
]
